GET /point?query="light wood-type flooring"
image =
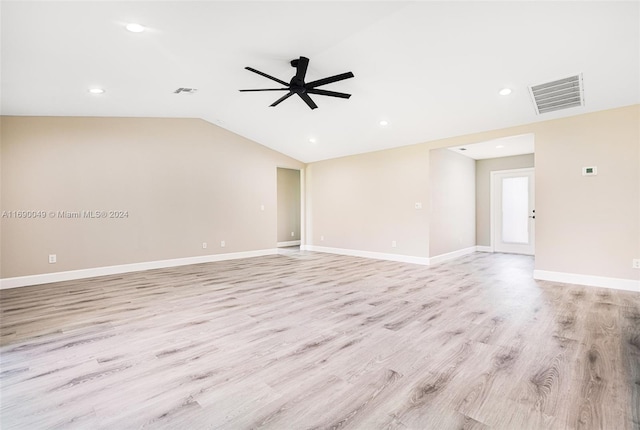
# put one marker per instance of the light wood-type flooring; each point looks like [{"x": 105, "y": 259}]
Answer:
[{"x": 310, "y": 340}]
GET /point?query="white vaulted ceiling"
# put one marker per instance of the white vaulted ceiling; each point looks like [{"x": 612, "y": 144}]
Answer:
[{"x": 431, "y": 69}]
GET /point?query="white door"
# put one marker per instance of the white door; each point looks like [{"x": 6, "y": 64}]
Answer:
[{"x": 513, "y": 211}]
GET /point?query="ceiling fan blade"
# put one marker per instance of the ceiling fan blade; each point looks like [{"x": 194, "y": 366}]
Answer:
[
  {"x": 267, "y": 76},
  {"x": 301, "y": 71},
  {"x": 266, "y": 89},
  {"x": 329, "y": 80},
  {"x": 307, "y": 100},
  {"x": 281, "y": 99},
  {"x": 328, "y": 93}
]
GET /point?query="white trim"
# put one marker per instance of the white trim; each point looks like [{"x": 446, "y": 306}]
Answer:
[
  {"x": 481, "y": 248},
  {"x": 368, "y": 254},
  {"x": 424, "y": 261},
  {"x": 290, "y": 243},
  {"x": 46, "y": 278},
  {"x": 303, "y": 204},
  {"x": 591, "y": 281},
  {"x": 451, "y": 255}
]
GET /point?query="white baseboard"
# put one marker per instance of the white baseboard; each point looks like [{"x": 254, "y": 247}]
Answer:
[
  {"x": 591, "y": 281},
  {"x": 290, "y": 243},
  {"x": 47, "y": 278},
  {"x": 451, "y": 255},
  {"x": 481, "y": 248},
  {"x": 368, "y": 254},
  {"x": 425, "y": 261}
]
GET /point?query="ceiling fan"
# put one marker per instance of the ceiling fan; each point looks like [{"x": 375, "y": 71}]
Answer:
[{"x": 298, "y": 86}]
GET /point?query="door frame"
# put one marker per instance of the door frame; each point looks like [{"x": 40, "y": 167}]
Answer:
[
  {"x": 301, "y": 241},
  {"x": 493, "y": 202}
]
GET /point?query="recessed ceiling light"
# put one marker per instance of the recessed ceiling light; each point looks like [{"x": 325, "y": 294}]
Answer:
[
  {"x": 384, "y": 123},
  {"x": 499, "y": 146},
  {"x": 312, "y": 140},
  {"x": 96, "y": 90},
  {"x": 505, "y": 91},
  {"x": 134, "y": 28}
]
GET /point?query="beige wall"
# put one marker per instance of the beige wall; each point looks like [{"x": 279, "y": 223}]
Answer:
[
  {"x": 483, "y": 190},
  {"x": 584, "y": 225},
  {"x": 365, "y": 202},
  {"x": 589, "y": 225},
  {"x": 182, "y": 181},
  {"x": 288, "y": 205},
  {"x": 453, "y": 212}
]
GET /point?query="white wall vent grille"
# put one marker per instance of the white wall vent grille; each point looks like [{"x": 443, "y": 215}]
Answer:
[{"x": 561, "y": 94}]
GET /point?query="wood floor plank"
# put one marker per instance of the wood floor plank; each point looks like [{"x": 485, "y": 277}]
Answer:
[{"x": 310, "y": 340}]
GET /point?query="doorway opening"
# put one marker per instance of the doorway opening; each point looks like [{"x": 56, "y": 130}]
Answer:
[
  {"x": 289, "y": 208},
  {"x": 499, "y": 155}
]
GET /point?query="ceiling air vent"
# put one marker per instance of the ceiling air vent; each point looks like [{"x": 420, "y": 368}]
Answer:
[
  {"x": 561, "y": 94},
  {"x": 185, "y": 91}
]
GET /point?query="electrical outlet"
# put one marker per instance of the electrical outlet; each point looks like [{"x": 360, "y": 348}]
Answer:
[
  {"x": 222, "y": 244},
  {"x": 321, "y": 238},
  {"x": 204, "y": 245},
  {"x": 418, "y": 205},
  {"x": 393, "y": 244},
  {"x": 261, "y": 207},
  {"x": 293, "y": 234},
  {"x": 52, "y": 258},
  {"x": 636, "y": 263}
]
